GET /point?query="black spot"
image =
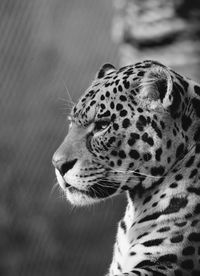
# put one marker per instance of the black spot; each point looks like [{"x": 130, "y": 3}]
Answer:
[
  {"x": 123, "y": 98},
  {"x": 113, "y": 153},
  {"x": 189, "y": 250},
  {"x": 123, "y": 113},
  {"x": 178, "y": 272},
  {"x": 169, "y": 143},
  {"x": 126, "y": 84},
  {"x": 126, "y": 123},
  {"x": 164, "y": 229},
  {"x": 119, "y": 107},
  {"x": 112, "y": 105},
  {"x": 154, "y": 242},
  {"x": 197, "y": 149},
  {"x": 180, "y": 150},
  {"x": 190, "y": 161},
  {"x": 123, "y": 225},
  {"x": 141, "y": 74},
  {"x": 178, "y": 177},
  {"x": 115, "y": 126},
  {"x": 147, "y": 199},
  {"x": 147, "y": 156},
  {"x": 173, "y": 185},
  {"x": 133, "y": 138},
  {"x": 177, "y": 239},
  {"x": 114, "y": 90},
  {"x": 196, "y": 105},
  {"x": 120, "y": 88},
  {"x": 134, "y": 154},
  {"x": 103, "y": 106},
  {"x": 181, "y": 224},
  {"x": 156, "y": 128},
  {"x": 119, "y": 162},
  {"x": 197, "y": 134},
  {"x": 194, "y": 237},
  {"x": 197, "y": 90},
  {"x": 157, "y": 170},
  {"x": 145, "y": 263},
  {"x": 107, "y": 94},
  {"x": 194, "y": 222},
  {"x": 140, "y": 110},
  {"x": 111, "y": 140},
  {"x": 187, "y": 264},
  {"x": 158, "y": 154},
  {"x": 102, "y": 97},
  {"x": 146, "y": 138},
  {"x": 193, "y": 173},
  {"x": 186, "y": 122},
  {"x": 197, "y": 209},
  {"x": 171, "y": 258},
  {"x": 122, "y": 154},
  {"x": 92, "y": 103},
  {"x": 175, "y": 106}
]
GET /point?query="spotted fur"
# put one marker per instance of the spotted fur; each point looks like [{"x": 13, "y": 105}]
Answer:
[{"x": 137, "y": 129}]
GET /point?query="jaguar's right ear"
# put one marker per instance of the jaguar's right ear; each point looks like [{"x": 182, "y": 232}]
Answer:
[{"x": 104, "y": 70}]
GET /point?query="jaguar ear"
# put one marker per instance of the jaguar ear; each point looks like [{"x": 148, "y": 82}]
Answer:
[
  {"x": 105, "y": 69},
  {"x": 156, "y": 86}
]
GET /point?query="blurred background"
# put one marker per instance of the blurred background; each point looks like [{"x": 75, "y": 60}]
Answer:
[{"x": 46, "y": 46}]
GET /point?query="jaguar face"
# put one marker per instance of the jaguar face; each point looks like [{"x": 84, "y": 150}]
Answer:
[{"x": 120, "y": 134}]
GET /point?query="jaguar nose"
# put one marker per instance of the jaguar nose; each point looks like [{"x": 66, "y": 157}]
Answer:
[{"x": 63, "y": 165}]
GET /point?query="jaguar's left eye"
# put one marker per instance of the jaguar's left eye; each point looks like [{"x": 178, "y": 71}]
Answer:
[{"x": 101, "y": 125}]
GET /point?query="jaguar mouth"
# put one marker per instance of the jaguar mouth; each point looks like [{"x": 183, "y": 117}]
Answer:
[{"x": 94, "y": 191}]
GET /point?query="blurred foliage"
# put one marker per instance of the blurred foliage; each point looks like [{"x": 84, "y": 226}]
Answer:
[{"x": 44, "y": 44}]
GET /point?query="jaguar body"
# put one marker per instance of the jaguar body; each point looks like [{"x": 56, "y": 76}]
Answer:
[{"x": 137, "y": 130}]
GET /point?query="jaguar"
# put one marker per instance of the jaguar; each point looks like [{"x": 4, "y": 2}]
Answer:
[{"x": 137, "y": 130}]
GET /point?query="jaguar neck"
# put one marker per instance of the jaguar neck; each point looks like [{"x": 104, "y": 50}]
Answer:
[{"x": 173, "y": 190}]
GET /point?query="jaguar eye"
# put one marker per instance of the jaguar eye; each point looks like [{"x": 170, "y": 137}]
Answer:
[{"x": 101, "y": 125}]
